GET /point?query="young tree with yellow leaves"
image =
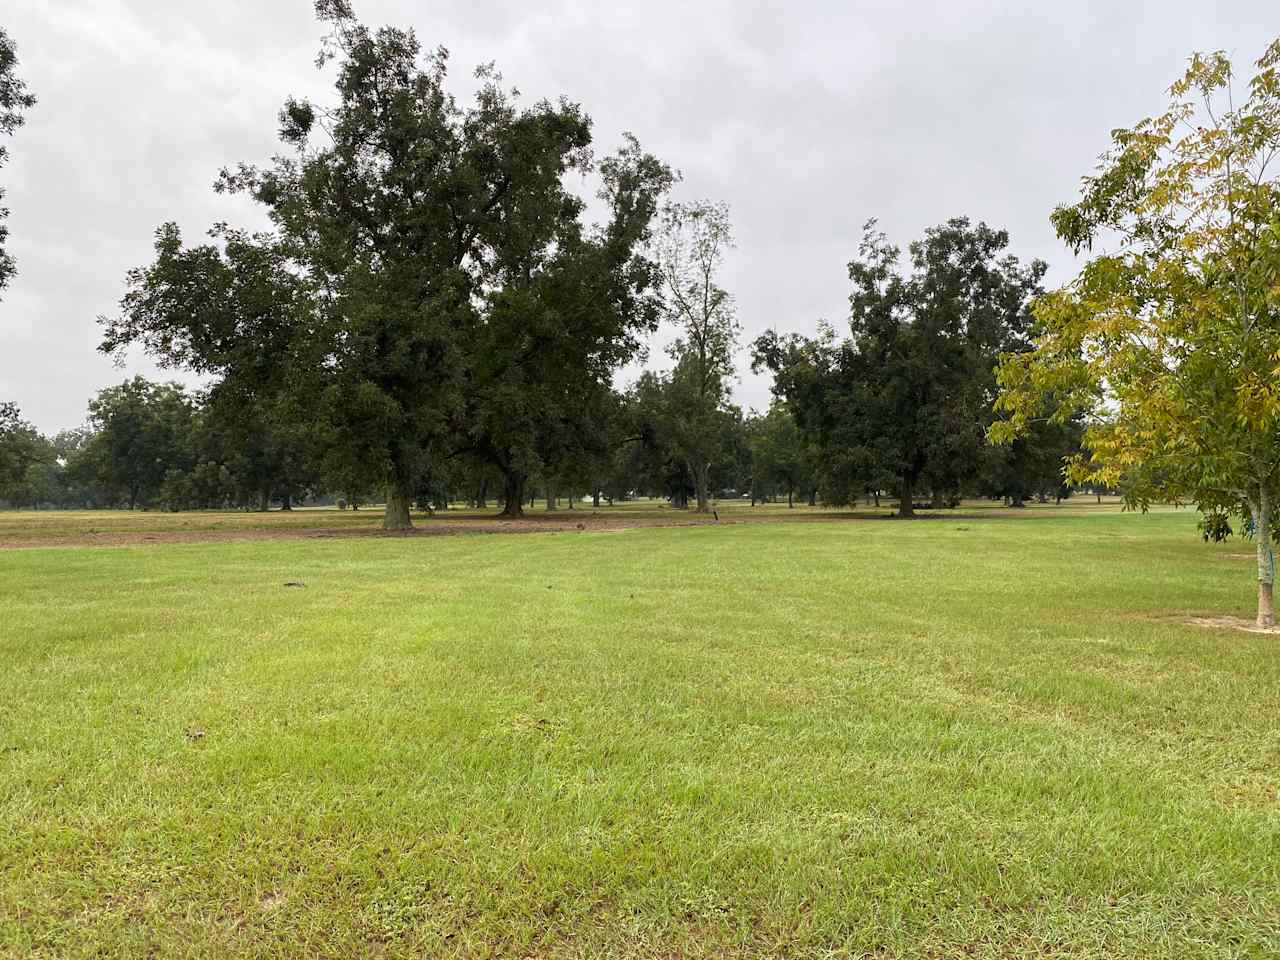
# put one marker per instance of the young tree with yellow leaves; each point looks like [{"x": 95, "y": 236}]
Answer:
[{"x": 1170, "y": 344}]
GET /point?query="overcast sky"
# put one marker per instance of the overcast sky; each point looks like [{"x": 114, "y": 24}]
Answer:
[{"x": 806, "y": 117}]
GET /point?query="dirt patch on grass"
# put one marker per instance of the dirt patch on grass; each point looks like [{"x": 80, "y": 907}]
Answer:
[
  {"x": 1231, "y": 623},
  {"x": 271, "y": 900},
  {"x": 1207, "y": 622}
]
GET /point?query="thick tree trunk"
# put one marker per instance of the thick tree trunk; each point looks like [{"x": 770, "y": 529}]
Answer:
[
  {"x": 553, "y": 502},
  {"x": 813, "y": 497},
  {"x": 595, "y": 498},
  {"x": 906, "y": 506},
  {"x": 702, "y": 484},
  {"x": 482, "y": 495},
  {"x": 513, "y": 495},
  {"x": 397, "y": 512},
  {"x": 790, "y": 500},
  {"x": 286, "y": 502},
  {"x": 264, "y": 499},
  {"x": 1266, "y": 560}
]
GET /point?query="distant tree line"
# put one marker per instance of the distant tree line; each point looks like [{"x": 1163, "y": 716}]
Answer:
[{"x": 160, "y": 446}]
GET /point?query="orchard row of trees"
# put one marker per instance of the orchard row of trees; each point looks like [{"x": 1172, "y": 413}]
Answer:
[
  {"x": 432, "y": 304},
  {"x": 158, "y": 446}
]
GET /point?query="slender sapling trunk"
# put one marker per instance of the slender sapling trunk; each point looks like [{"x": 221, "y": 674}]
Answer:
[{"x": 1266, "y": 560}]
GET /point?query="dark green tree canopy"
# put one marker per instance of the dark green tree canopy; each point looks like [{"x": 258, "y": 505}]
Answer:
[
  {"x": 569, "y": 307},
  {"x": 908, "y": 395},
  {"x": 428, "y": 285},
  {"x": 21, "y": 446},
  {"x": 142, "y": 431}
]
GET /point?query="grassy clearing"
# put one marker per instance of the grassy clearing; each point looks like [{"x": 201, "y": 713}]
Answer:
[
  {"x": 27, "y": 527},
  {"x": 33, "y": 526},
  {"x": 972, "y": 737}
]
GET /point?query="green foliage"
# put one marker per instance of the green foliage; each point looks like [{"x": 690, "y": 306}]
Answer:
[
  {"x": 15, "y": 99},
  {"x": 683, "y": 450},
  {"x": 1215, "y": 527},
  {"x": 904, "y": 401},
  {"x": 142, "y": 435},
  {"x": 21, "y": 449},
  {"x": 568, "y": 307},
  {"x": 781, "y": 459}
]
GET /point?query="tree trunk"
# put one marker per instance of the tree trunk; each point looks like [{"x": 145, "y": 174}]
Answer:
[
  {"x": 397, "y": 513},
  {"x": 552, "y": 502},
  {"x": 702, "y": 484},
  {"x": 906, "y": 506},
  {"x": 482, "y": 495},
  {"x": 286, "y": 502},
  {"x": 264, "y": 499},
  {"x": 1266, "y": 560},
  {"x": 790, "y": 500},
  {"x": 595, "y": 498},
  {"x": 513, "y": 495},
  {"x": 813, "y": 497}
]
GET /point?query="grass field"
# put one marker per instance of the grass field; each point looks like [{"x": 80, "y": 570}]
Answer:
[
  {"x": 28, "y": 528},
  {"x": 959, "y": 737},
  {"x": 33, "y": 528}
]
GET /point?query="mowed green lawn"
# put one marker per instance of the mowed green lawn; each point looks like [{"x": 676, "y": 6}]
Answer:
[{"x": 931, "y": 738}]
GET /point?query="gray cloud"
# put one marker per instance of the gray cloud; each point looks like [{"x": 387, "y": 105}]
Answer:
[{"x": 807, "y": 117}]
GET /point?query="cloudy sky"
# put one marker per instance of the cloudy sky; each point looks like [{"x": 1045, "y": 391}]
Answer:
[{"x": 807, "y": 117}]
